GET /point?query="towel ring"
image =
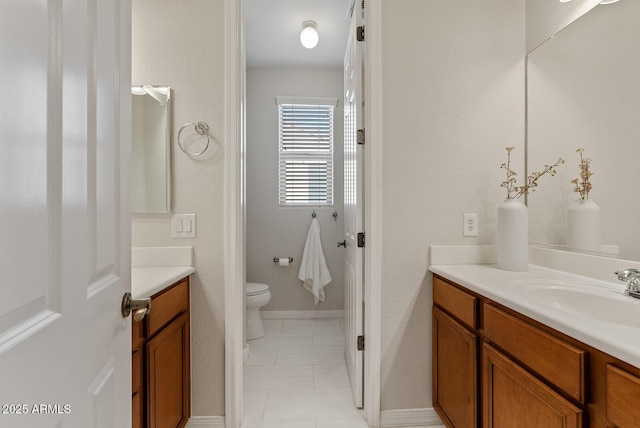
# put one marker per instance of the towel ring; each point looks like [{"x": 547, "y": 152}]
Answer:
[{"x": 201, "y": 128}]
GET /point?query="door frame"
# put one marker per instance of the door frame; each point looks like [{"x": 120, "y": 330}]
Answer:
[{"x": 234, "y": 264}]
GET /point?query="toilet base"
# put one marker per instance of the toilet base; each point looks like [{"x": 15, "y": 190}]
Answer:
[{"x": 255, "y": 330}]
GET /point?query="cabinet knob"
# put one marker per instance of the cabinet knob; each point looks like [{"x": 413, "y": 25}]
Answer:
[{"x": 141, "y": 307}]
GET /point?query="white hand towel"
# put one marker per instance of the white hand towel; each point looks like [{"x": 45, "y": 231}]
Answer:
[{"x": 314, "y": 273}]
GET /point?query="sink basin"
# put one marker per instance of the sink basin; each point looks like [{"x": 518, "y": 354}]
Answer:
[{"x": 599, "y": 302}]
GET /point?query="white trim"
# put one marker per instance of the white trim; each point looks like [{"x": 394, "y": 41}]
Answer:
[
  {"x": 205, "y": 421},
  {"x": 426, "y": 417},
  {"x": 301, "y": 315},
  {"x": 373, "y": 210},
  {"x": 234, "y": 214}
]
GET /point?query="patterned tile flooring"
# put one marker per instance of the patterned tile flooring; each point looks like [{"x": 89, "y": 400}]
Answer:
[{"x": 296, "y": 377}]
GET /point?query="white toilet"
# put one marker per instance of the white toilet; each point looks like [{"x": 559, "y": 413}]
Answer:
[{"x": 258, "y": 295}]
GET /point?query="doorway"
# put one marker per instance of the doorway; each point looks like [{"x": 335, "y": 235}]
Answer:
[
  {"x": 294, "y": 119},
  {"x": 235, "y": 269}
]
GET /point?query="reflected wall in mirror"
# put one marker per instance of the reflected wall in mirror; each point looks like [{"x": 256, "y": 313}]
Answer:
[
  {"x": 583, "y": 91},
  {"x": 545, "y": 18},
  {"x": 151, "y": 136}
]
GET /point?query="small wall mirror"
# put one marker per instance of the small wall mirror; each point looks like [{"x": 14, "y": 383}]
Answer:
[{"x": 151, "y": 142}]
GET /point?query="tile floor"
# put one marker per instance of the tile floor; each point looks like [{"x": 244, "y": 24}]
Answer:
[{"x": 296, "y": 377}]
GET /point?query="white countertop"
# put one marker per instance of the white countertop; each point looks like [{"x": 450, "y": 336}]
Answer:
[
  {"x": 149, "y": 280},
  {"x": 622, "y": 342}
]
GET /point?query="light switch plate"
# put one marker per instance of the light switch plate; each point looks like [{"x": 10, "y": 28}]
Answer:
[{"x": 183, "y": 226}]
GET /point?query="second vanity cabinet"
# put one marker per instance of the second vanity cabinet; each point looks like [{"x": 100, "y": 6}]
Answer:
[
  {"x": 494, "y": 367},
  {"x": 161, "y": 361}
]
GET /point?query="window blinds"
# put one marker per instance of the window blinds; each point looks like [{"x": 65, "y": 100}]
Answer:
[{"x": 306, "y": 154}]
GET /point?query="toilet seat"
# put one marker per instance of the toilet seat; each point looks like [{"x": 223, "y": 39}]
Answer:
[{"x": 256, "y": 289}]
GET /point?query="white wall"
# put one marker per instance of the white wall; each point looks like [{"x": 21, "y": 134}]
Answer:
[
  {"x": 453, "y": 99},
  {"x": 181, "y": 44},
  {"x": 273, "y": 231}
]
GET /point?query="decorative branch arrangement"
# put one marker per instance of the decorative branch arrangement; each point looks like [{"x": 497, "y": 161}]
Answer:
[
  {"x": 514, "y": 191},
  {"x": 582, "y": 183}
]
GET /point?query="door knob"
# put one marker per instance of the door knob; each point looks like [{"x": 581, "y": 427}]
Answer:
[
  {"x": 140, "y": 307},
  {"x": 342, "y": 244}
]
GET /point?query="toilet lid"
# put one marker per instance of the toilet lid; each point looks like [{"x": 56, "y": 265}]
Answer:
[{"x": 254, "y": 288}]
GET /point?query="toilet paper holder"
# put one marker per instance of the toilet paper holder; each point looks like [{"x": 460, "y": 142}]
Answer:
[{"x": 277, "y": 260}]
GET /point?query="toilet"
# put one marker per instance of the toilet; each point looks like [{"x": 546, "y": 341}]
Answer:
[{"x": 257, "y": 295}]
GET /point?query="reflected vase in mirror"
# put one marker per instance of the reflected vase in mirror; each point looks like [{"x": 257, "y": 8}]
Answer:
[
  {"x": 512, "y": 236},
  {"x": 583, "y": 226}
]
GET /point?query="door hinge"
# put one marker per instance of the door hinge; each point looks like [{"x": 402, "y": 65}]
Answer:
[
  {"x": 360, "y": 343},
  {"x": 360, "y": 137},
  {"x": 360, "y": 239},
  {"x": 360, "y": 34}
]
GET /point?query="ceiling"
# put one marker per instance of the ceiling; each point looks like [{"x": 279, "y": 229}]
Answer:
[{"x": 273, "y": 32}]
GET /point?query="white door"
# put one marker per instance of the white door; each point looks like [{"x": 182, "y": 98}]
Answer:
[
  {"x": 353, "y": 205},
  {"x": 65, "y": 349}
]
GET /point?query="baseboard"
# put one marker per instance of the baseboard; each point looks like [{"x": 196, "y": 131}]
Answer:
[
  {"x": 426, "y": 417},
  {"x": 205, "y": 422},
  {"x": 301, "y": 315}
]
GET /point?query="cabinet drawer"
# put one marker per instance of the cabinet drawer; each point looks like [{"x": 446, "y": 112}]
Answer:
[
  {"x": 557, "y": 361},
  {"x": 457, "y": 302},
  {"x": 622, "y": 389},
  {"x": 168, "y": 305}
]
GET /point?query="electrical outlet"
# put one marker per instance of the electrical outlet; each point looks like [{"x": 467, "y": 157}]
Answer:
[{"x": 470, "y": 224}]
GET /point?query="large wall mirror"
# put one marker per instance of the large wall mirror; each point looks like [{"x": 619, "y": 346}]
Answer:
[
  {"x": 583, "y": 91},
  {"x": 150, "y": 164}
]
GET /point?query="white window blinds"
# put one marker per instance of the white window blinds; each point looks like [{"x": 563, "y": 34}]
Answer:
[{"x": 306, "y": 153}]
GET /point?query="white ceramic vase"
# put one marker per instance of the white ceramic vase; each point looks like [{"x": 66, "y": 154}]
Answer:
[
  {"x": 583, "y": 226},
  {"x": 512, "y": 236}
]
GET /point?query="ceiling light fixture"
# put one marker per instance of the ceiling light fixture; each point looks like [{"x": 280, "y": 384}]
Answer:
[{"x": 309, "y": 35}]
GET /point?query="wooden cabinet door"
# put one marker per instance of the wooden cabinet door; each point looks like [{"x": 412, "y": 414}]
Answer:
[
  {"x": 512, "y": 397},
  {"x": 455, "y": 372},
  {"x": 168, "y": 376}
]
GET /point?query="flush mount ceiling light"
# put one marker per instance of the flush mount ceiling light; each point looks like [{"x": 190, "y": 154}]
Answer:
[{"x": 309, "y": 35}]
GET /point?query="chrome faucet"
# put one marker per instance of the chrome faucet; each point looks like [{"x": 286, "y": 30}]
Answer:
[{"x": 632, "y": 277}]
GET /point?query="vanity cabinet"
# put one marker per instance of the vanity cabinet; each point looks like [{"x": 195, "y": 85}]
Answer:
[
  {"x": 455, "y": 367},
  {"x": 161, "y": 361},
  {"x": 494, "y": 367}
]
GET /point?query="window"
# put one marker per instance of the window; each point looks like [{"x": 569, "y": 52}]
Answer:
[{"x": 306, "y": 151}]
